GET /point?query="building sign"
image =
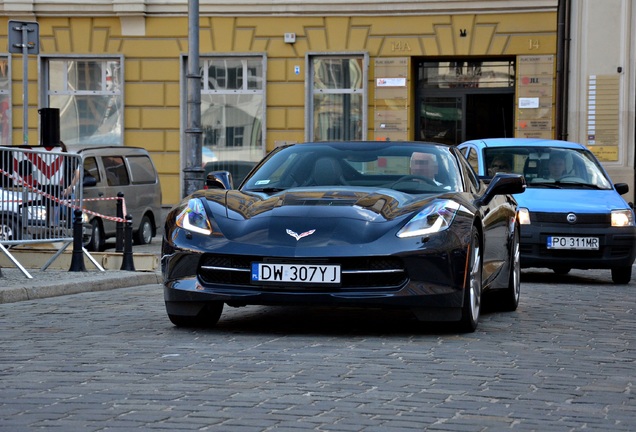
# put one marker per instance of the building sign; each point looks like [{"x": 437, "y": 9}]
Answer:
[
  {"x": 535, "y": 89},
  {"x": 602, "y": 116},
  {"x": 391, "y": 96}
]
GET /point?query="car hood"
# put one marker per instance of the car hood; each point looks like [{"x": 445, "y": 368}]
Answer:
[
  {"x": 320, "y": 217},
  {"x": 363, "y": 205},
  {"x": 570, "y": 200}
]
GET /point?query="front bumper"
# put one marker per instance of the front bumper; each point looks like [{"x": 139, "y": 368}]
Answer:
[
  {"x": 617, "y": 246},
  {"x": 424, "y": 278}
]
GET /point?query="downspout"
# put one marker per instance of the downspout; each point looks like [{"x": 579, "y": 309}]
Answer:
[{"x": 562, "y": 72}]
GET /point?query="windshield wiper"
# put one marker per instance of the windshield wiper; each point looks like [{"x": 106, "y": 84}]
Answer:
[
  {"x": 550, "y": 185},
  {"x": 267, "y": 190}
]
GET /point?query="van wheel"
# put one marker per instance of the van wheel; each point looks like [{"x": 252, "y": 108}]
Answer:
[
  {"x": 144, "y": 235},
  {"x": 96, "y": 243}
]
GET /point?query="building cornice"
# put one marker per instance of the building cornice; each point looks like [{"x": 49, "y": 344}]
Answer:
[{"x": 35, "y": 8}]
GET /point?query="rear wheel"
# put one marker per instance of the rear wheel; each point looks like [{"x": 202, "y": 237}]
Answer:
[
  {"x": 472, "y": 290},
  {"x": 508, "y": 299},
  {"x": 622, "y": 275},
  {"x": 206, "y": 318}
]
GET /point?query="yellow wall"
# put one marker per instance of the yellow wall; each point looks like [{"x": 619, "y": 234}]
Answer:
[{"x": 152, "y": 72}]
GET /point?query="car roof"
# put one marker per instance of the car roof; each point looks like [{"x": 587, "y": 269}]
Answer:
[{"x": 525, "y": 142}]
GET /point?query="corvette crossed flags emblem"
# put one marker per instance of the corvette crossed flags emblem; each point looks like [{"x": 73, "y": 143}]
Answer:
[{"x": 301, "y": 235}]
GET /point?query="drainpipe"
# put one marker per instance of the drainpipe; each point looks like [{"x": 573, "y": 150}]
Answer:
[{"x": 562, "y": 72}]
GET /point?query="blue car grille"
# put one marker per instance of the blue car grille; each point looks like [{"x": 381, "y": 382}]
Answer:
[{"x": 358, "y": 273}]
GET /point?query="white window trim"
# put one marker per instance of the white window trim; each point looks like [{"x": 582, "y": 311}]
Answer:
[
  {"x": 8, "y": 93},
  {"x": 309, "y": 84},
  {"x": 44, "y": 77}
]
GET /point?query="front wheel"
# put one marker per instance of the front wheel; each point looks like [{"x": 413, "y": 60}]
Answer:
[
  {"x": 9, "y": 228},
  {"x": 143, "y": 236},
  {"x": 622, "y": 275},
  {"x": 96, "y": 243},
  {"x": 472, "y": 290}
]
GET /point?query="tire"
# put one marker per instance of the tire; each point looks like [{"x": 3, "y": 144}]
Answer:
[
  {"x": 622, "y": 275},
  {"x": 9, "y": 228},
  {"x": 508, "y": 299},
  {"x": 472, "y": 291},
  {"x": 207, "y": 317},
  {"x": 96, "y": 243},
  {"x": 143, "y": 236},
  {"x": 561, "y": 270}
]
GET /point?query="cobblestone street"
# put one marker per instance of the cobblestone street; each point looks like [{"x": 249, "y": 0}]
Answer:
[{"x": 111, "y": 360}]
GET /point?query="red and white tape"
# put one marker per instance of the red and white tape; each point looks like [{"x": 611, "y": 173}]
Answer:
[{"x": 68, "y": 203}]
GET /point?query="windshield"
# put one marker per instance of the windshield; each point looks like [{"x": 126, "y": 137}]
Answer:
[
  {"x": 414, "y": 168},
  {"x": 549, "y": 166}
]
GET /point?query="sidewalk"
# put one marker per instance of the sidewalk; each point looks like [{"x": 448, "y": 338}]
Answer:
[{"x": 58, "y": 281}]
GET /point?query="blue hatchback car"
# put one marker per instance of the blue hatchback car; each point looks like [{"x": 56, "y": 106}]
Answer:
[{"x": 571, "y": 214}]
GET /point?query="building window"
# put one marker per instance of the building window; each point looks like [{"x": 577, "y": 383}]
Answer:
[
  {"x": 5, "y": 102},
  {"x": 467, "y": 74},
  {"x": 232, "y": 107},
  {"x": 89, "y": 94},
  {"x": 338, "y": 98}
]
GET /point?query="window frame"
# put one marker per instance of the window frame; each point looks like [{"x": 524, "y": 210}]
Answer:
[
  {"x": 310, "y": 91},
  {"x": 44, "y": 77},
  {"x": 262, "y": 56}
]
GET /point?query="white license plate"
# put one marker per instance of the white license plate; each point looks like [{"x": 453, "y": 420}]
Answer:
[
  {"x": 565, "y": 242},
  {"x": 296, "y": 273}
]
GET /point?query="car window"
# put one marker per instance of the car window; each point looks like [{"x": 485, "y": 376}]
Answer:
[
  {"x": 141, "y": 169},
  {"x": 576, "y": 167},
  {"x": 90, "y": 167},
  {"x": 116, "y": 173},
  {"x": 473, "y": 158},
  {"x": 409, "y": 168}
]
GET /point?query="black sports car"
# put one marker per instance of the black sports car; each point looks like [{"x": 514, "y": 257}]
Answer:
[{"x": 365, "y": 224}]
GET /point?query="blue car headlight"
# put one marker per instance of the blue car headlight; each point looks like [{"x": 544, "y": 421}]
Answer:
[
  {"x": 194, "y": 218},
  {"x": 433, "y": 218}
]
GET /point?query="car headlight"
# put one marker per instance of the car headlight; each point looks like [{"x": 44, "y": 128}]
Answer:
[
  {"x": 622, "y": 218},
  {"x": 434, "y": 218},
  {"x": 524, "y": 216},
  {"x": 193, "y": 218}
]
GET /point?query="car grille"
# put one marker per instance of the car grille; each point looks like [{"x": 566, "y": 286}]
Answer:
[
  {"x": 358, "y": 273},
  {"x": 591, "y": 219}
]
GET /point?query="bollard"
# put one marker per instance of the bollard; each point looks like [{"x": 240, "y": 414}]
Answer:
[
  {"x": 119, "y": 227},
  {"x": 77, "y": 260},
  {"x": 127, "y": 262}
]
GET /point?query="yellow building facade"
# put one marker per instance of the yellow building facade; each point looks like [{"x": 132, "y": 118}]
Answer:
[{"x": 418, "y": 73}]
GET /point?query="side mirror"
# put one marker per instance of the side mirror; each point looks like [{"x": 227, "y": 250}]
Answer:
[
  {"x": 621, "y": 188},
  {"x": 502, "y": 184},
  {"x": 219, "y": 180}
]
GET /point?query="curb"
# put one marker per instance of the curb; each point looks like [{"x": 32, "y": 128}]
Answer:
[{"x": 16, "y": 287}]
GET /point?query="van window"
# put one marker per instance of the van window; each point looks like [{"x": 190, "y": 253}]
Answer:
[
  {"x": 116, "y": 173},
  {"x": 141, "y": 169},
  {"x": 90, "y": 167}
]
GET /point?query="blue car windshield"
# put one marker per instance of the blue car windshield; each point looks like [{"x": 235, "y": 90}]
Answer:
[
  {"x": 415, "y": 168},
  {"x": 548, "y": 166}
]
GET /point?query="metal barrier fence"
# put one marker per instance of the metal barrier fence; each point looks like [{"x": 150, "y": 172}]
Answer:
[{"x": 39, "y": 191}]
